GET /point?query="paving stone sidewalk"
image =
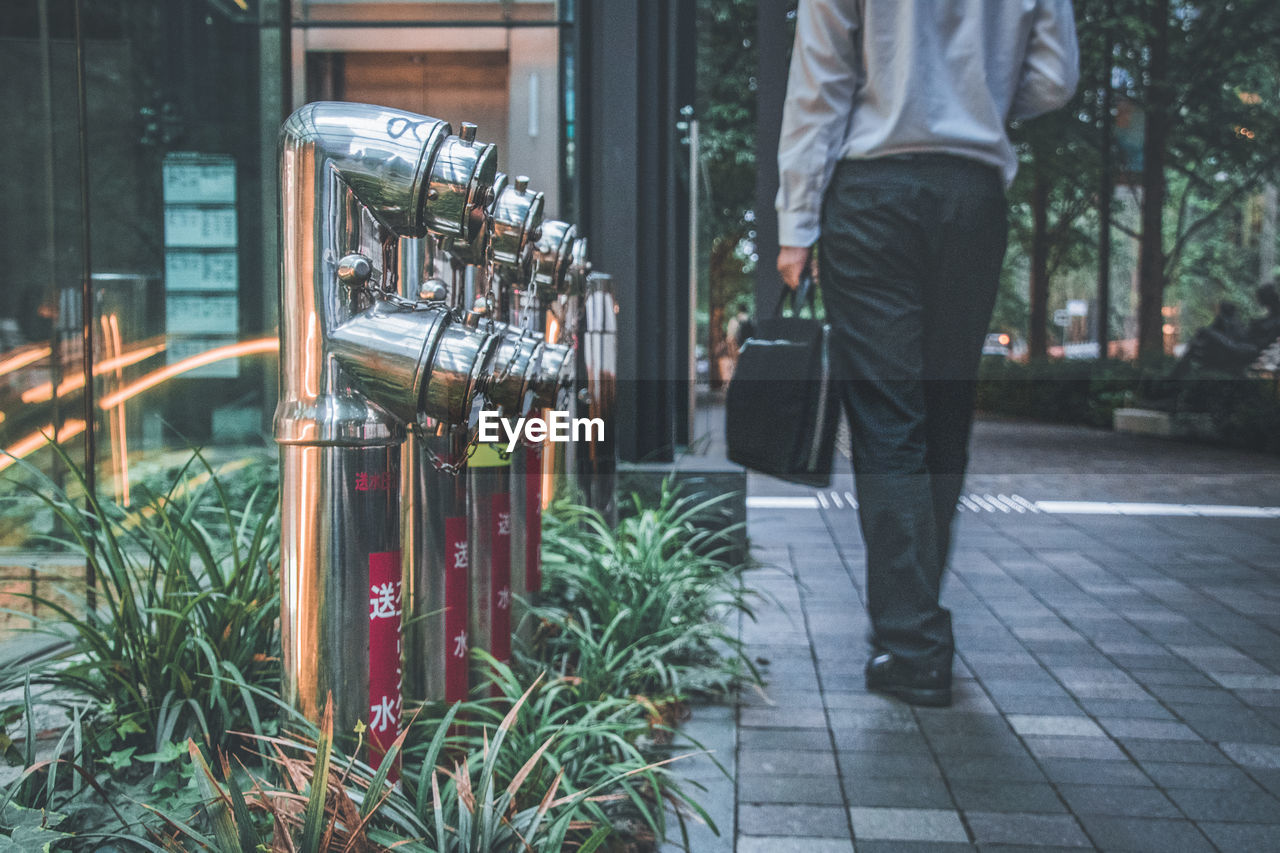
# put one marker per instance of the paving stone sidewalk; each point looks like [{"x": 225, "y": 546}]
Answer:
[{"x": 1118, "y": 677}]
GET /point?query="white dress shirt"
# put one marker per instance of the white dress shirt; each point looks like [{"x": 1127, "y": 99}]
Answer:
[{"x": 871, "y": 78}]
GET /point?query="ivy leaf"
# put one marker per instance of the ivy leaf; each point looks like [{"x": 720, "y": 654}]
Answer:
[
  {"x": 171, "y": 751},
  {"x": 121, "y": 758},
  {"x": 30, "y": 838},
  {"x": 32, "y": 829},
  {"x": 17, "y": 817},
  {"x": 128, "y": 727}
]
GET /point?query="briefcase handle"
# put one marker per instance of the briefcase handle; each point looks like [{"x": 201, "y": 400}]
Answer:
[{"x": 801, "y": 297}]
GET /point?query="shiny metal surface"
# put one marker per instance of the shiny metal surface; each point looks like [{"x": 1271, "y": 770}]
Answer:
[
  {"x": 556, "y": 380},
  {"x": 554, "y": 261},
  {"x": 331, "y": 528},
  {"x": 388, "y": 350},
  {"x": 352, "y": 178},
  {"x": 462, "y": 176},
  {"x": 489, "y": 535},
  {"x": 598, "y": 461},
  {"x": 553, "y": 256},
  {"x": 517, "y": 223},
  {"x": 436, "y": 661},
  {"x": 516, "y": 370},
  {"x": 356, "y": 364},
  {"x": 520, "y": 536},
  {"x": 459, "y": 365},
  {"x": 433, "y": 503}
]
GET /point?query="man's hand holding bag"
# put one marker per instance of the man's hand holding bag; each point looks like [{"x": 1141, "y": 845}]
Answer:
[{"x": 781, "y": 411}]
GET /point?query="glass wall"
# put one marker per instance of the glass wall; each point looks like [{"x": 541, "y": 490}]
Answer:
[
  {"x": 164, "y": 101},
  {"x": 172, "y": 222}
]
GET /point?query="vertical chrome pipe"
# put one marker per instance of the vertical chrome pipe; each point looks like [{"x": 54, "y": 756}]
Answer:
[
  {"x": 553, "y": 260},
  {"x": 599, "y": 337},
  {"x": 355, "y": 366},
  {"x": 564, "y": 325},
  {"x": 436, "y": 568}
]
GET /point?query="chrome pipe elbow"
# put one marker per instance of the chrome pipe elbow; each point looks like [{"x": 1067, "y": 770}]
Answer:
[{"x": 354, "y": 179}]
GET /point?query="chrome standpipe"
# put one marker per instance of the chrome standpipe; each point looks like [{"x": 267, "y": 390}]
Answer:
[
  {"x": 359, "y": 362},
  {"x": 598, "y": 461},
  {"x": 553, "y": 285},
  {"x": 434, "y": 518},
  {"x": 518, "y": 217}
]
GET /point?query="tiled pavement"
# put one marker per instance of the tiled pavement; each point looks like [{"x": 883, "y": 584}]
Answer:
[{"x": 1118, "y": 677}]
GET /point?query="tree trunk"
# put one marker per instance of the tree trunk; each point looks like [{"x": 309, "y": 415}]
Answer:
[
  {"x": 1267, "y": 243},
  {"x": 1106, "y": 191},
  {"x": 1037, "y": 324},
  {"x": 1151, "y": 258}
]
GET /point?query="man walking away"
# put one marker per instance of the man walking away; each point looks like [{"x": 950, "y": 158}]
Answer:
[{"x": 894, "y": 158}]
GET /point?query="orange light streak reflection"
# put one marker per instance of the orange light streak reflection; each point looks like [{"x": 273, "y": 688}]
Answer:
[
  {"x": 37, "y": 440},
  {"x": 43, "y": 392},
  {"x": 252, "y": 347},
  {"x": 21, "y": 358},
  {"x": 72, "y": 428}
]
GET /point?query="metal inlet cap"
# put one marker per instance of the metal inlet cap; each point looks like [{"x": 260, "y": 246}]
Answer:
[
  {"x": 515, "y": 370},
  {"x": 557, "y": 378},
  {"x": 553, "y": 256},
  {"x": 517, "y": 222}
]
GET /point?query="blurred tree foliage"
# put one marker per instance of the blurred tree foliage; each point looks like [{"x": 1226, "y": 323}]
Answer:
[
  {"x": 1201, "y": 81},
  {"x": 1196, "y": 83},
  {"x": 726, "y": 113},
  {"x": 1204, "y": 74}
]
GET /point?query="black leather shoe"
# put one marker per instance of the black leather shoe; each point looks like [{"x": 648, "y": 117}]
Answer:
[{"x": 913, "y": 685}]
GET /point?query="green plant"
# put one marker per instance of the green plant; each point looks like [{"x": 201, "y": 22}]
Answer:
[
  {"x": 641, "y": 607},
  {"x": 537, "y": 773},
  {"x": 71, "y": 799},
  {"x": 180, "y": 648},
  {"x": 182, "y": 616},
  {"x": 602, "y": 743},
  {"x": 306, "y": 798}
]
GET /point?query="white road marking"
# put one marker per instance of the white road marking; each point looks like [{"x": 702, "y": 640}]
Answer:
[
  {"x": 974, "y": 502},
  {"x": 996, "y": 502},
  {"x": 782, "y": 502},
  {"x": 1156, "y": 509}
]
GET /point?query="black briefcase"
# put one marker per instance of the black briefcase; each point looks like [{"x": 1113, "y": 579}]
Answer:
[{"x": 781, "y": 409}]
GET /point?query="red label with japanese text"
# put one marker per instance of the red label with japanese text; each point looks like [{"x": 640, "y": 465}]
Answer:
[
  {"x": 457, "y": 647},
  {"x": 533, "y": 519},
  {"x": 500, "y": 585},
  {"x": 385, "y": 675}
]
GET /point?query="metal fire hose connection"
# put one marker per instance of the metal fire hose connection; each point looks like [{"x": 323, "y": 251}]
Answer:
[
  {"x": 517, "y": 226},
  {"x": 518, "y": 219},
  {"x": 517, "y": 215},
  {"x": 436, "y": 558},
  {"x": 564, "y": 324},
  {"x": 553, "y": 259},
  {"x": 357, "y": 363}
]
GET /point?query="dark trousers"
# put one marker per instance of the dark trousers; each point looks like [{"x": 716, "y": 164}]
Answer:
[{"x": 909, "y": 263}]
